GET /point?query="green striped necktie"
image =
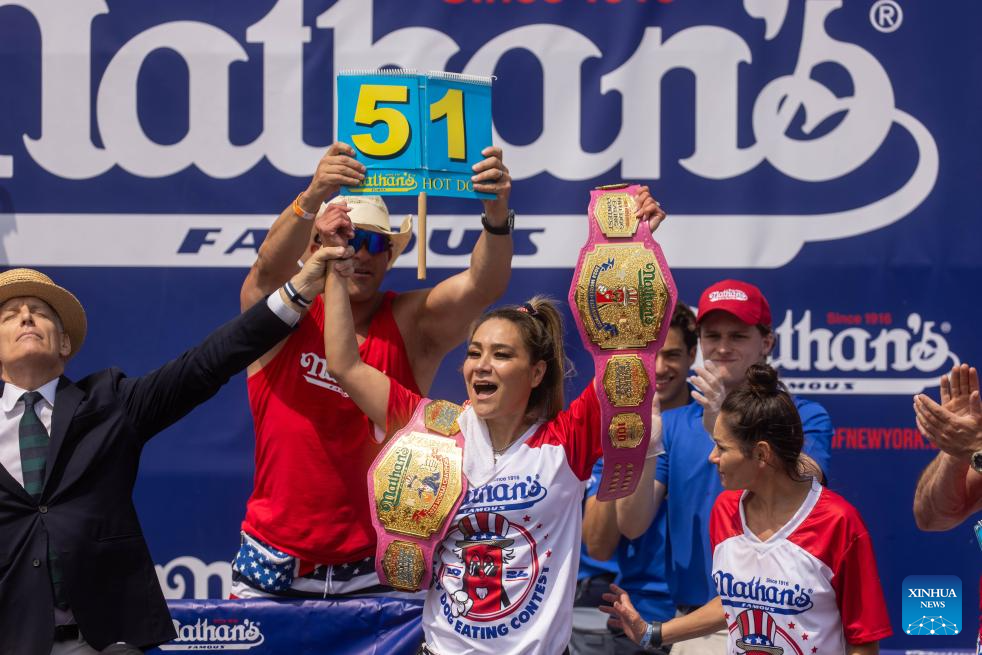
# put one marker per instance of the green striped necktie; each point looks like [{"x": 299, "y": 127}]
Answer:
[{"x": 33, "y": 460}]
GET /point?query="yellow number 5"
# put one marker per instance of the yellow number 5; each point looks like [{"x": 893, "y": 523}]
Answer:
[{"x": 369, "y": 114}]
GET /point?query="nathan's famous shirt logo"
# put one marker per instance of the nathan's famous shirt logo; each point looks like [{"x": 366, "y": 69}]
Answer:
[
  {"x": 775, "y": 596},
  {"x": 506, "y": 494},
  {"x": 316, "y": 373},
  {"x": 490, "y": 581},
  {"x": 870, "y": 353}
]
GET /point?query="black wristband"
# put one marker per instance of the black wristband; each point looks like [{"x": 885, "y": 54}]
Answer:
[
  {"x": 500, "y": 230},
  {"x": 294, "y": 295},
  {"x": 656, "y": 634}
]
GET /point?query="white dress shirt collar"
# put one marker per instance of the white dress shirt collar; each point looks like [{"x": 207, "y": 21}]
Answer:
[{"x": 12, "y": 393}]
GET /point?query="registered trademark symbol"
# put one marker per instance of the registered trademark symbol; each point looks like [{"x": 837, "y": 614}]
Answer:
[
  {"x": 886, "y": 15},
  {"x": 946, "y": 327}
]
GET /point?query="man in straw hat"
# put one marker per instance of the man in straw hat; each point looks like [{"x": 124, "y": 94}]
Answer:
[
  {"x": 75, "y": 572},
  {"x": 313, "y": 445}
]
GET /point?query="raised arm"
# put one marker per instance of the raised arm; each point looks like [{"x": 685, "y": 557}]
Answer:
[
  {"x": 290, "y": 235},
  {"x": 433, "y": 321},
  {"x": 367, "y": 386},
  {"x": 600, "y": 533},
  {"x": 636, "y": 512},
  {"x": 161, "y": 397}
]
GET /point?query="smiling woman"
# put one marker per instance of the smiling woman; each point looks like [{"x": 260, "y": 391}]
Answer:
[
  {"x": 504, "y": 571},
  {"x": 794, "y": 552}
]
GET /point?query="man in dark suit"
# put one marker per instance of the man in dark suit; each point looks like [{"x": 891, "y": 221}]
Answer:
[{"x": 75, "y": 573}]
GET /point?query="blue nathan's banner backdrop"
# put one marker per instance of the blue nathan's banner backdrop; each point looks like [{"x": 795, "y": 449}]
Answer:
[{"x": 826, "y": 151}]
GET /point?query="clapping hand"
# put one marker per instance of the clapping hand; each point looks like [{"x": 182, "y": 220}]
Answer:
[
  {"x": 709, "y": 392},
  {"x": 954, "y": 426}
]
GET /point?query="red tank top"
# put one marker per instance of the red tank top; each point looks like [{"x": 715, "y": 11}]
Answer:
[{"x": 314, "y": 446}]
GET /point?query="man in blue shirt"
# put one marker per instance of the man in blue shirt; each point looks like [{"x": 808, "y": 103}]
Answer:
[
  {"x": 734, "y": 332},
  {"x": 640, "y": 562}
]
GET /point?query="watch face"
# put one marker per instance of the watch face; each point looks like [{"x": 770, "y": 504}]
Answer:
[{"x": 976, "y": 461}]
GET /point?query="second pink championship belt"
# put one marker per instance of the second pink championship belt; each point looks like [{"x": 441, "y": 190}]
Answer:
[{"x": 622, "y": 297}]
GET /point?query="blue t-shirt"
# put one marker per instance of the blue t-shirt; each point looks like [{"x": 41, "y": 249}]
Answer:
[
  {"x": 693, "y": 485},
  {"x": 642, "y": 564}
]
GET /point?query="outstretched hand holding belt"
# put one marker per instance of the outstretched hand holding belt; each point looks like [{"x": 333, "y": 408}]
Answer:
[{"x": 623, "y": 294}]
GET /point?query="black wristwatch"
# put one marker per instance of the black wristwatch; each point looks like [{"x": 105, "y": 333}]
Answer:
[
  {"x": 976, "y": 461},
  {"x": 502, "y": 229}
]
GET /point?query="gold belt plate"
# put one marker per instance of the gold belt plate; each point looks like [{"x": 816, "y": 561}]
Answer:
[
  {"x": 625, "y": 380},
  {"x": 418, "y": 483},
  {"x": 626, "y": 430},
  {"x": 403, "y": 565},
  {"x": 615, "y": 214},
  {"x": 621, "y": 296}
]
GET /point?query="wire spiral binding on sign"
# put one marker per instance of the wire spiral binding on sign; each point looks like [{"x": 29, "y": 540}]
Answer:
[
  {"x": 393, "y": 72},
  {"x": 461, "y": 77}
]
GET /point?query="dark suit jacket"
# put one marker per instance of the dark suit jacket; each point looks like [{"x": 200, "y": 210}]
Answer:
[{"x": 98, "y": 428}]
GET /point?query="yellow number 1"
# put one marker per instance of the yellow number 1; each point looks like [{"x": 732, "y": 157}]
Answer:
[
  {"x": 451, "y": 106},
  {"x": 368, "y": 113}
]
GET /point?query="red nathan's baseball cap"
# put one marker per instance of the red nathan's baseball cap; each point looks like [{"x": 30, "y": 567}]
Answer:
[{"x": 742, "y": 299}]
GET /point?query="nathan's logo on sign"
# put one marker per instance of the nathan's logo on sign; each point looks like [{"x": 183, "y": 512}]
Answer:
[
  {"x": 216, "y": 634},
  {"x": 862, "y": 353},
  {"x": 382, "y": 183},
  {"x": 97, "y": 90},
  {"x": 932, "y": 605}
]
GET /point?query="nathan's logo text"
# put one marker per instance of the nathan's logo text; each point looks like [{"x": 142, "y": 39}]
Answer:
[
  {"x": 500, "y": 495},
  {"x": 727, "y": 294},
  {"x": 918, "y": 348},
  {"x": 224, "y": 634},
  {"x": 775, "y": 596},
  {"x": 317, "y": 373}
]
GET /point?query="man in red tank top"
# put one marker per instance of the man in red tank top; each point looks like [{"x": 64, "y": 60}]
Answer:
[{"x": 307, "y": 530}]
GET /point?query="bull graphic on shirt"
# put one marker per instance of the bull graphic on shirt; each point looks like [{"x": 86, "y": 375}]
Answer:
[
  {"x": 484, "y": 552},
  {"x": 616, "y": 296}
]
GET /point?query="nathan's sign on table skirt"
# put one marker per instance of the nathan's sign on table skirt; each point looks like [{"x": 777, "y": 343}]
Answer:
[{"x": 260, "y": 627}]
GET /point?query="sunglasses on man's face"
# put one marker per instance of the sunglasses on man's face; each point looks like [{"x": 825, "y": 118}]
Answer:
[{"x": 374, "y": 241}]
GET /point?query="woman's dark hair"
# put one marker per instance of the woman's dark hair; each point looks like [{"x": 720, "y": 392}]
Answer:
[
  {"x": 762, "y": 410},
  {"x": 541, "y": 327}
]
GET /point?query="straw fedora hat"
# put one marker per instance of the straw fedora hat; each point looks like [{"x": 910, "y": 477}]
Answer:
[
  {"x": 370, "y": 213},
  {"x": 18, "y": 282}
]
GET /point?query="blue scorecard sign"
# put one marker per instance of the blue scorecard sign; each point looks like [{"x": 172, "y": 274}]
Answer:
[{"x": 415, "y": 133}]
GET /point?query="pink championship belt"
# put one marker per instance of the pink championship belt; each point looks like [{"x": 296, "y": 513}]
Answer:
[
  {"x": 416, "y": 485},
  {"x": 624, "y": 296}
]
